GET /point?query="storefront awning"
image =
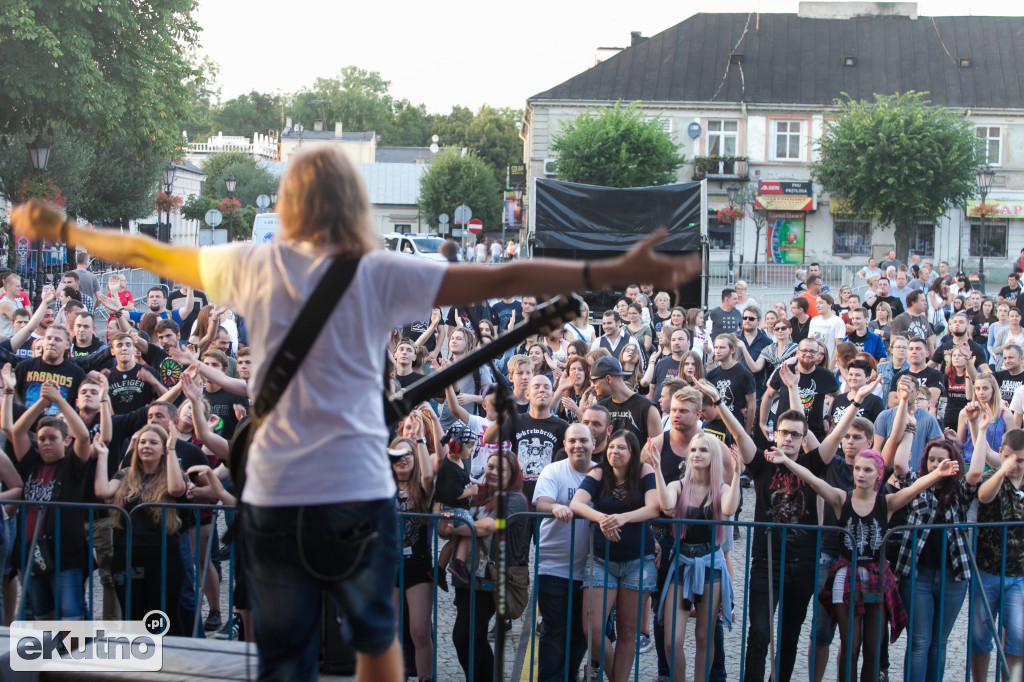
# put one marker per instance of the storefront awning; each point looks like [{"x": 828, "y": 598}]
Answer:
[
  {"x": 784, "y": 195},
  {"x": 784, "y": 203}
]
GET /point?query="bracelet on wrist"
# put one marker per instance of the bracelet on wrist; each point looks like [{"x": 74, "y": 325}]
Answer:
[
  {"x": 8, "y": 391},
  {"x": 421, "y": 441},
  {"x": 856, "y": 403},
  {"x": 588, "y": 283},
  {"x": 717, "y": 402}
]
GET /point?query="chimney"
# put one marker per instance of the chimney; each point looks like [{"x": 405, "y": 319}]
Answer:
[
  {"x": 287, "y": 121},
  {"x": 635, "y": 38},
  {"x": 318, "y": 124},
  {"x": 337, "y": 130}
]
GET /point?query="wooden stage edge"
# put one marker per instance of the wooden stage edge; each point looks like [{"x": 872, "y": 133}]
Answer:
[{"x": 185, "y": 659}]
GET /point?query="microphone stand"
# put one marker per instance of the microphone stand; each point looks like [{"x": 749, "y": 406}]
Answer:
[{"x": 505, "y": 404}]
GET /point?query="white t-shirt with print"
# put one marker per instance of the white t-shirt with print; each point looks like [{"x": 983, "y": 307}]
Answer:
[
  {"x": 325, "y": 440},
  {"x": 559, "y": 481}
]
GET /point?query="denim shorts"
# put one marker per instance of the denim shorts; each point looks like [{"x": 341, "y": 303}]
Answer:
[
  {"x": 624, "y": 574},
  {"x": 458, "y": 512},
  {"x": 1012, "y": 613}
]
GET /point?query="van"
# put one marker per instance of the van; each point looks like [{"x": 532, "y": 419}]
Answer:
[{"x": 265, "y": 227}]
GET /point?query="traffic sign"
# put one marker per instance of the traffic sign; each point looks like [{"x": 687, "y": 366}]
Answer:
[
  {"x": 263, "y": 201},
  {"x": 443, "y": 218},
  {"x": 476, "y": 226},
  {"x": 463, "y": 214},
  {"x": 213, "y": 217},
  {"x": 458, "y": 232}
]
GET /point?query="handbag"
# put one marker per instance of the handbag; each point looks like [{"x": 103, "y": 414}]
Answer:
[
  {"x": 287, "y": 359},
  {"x": 517, "y": 588},
  {"x": 42, "y": 557}
]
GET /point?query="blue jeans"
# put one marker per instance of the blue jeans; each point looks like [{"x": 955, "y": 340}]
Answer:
[
  {"x": 930, "y": 597},
  {"x": 1011, "y": 604},
  {"x": 560, "y": 623},
  {"x": 42, "y": 595},
  {"x": 293, "y": 554}
]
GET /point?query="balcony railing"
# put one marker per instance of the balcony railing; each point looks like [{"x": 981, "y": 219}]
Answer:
[{"x": 720, "y": 167}]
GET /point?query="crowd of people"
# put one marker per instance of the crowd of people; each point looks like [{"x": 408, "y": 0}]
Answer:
[
  {"x": 634, "y": 429},
  {"x": 140, "y": 416}
]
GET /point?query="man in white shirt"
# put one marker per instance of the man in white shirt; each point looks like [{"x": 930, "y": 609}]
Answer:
[
  {"x": 613, "y": 340},
  {"x": 562, "y": 557},
  {"x": 827, "y": 327}
]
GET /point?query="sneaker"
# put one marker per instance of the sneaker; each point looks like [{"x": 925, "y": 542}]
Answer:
[
  {"x": 507, "y": 625},
  {"x": 232, "y": 629},
  {"x": 460, "y": 574},
  {"x": 212, "y": 622},
  {"x": 644, "y": 643},
  {"x": 593, "y": 672}
]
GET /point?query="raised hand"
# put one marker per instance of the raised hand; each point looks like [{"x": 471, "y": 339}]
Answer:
[
  {"x": 240, "y": 411},
  {"x": 868, "y": 388},
  {"x": 50, "y": 392},
  {"x": 10, "y": 381},
  {"x": 651, "y": 455},
  {"x": 708, "y": 389},
  {"x": 172, "y": 436},
  {"x": 190, "y": 388},
  {"x": 776, "y": 456},
  {"x": 790, "y": 378},
  {"x": 948, "y": 467}
]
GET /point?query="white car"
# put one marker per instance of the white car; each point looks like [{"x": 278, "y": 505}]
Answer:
[{"x": 420, "y": 245}]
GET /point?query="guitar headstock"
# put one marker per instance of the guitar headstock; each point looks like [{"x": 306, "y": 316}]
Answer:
[{"x": 554, "y": 313}]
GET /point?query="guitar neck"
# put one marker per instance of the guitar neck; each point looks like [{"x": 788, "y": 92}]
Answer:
[{"x": 556, "y": 312}]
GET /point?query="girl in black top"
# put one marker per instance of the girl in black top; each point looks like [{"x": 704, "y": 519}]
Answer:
[
  {"x": 414, "y": 475},
  {"x": 982, "y": 321},
  {"x": 701, "y": 494},
  {"x": 864, "y": 513},
  {"x": 618, "y": 496},
  {"x": 958, "y": 387},
  {"x": 152, "y": 477}
]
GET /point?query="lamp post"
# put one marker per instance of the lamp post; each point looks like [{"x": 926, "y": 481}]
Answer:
[
  {"x": 983, "y": 180},
  {"x": 273, "y": 197},
  {"x": 39, "y": 153},
  {"x": 169, "y": 171},
  {"x": 732, "y": 191},
  {"x": 230, "y": 182}
]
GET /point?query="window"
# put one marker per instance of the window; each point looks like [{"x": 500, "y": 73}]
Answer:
[
  {"x": 722, "y": 138},
  {"x": 851, "y": 237},
  {"x": 991, "y": 142},
  {"x": 922, "y": 239},
  {"x": 720, "y": 234},
  {"x": 787, "y": 140},
  {"x": 403, "y": 228},
  {"x": 988, "y": 239}
]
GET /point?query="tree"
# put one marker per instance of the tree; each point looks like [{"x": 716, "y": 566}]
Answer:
[
  {"x": 196, "y": 206},
  {"x": 72, "y": 161},
  {"x": 452, "y": 180},
  {"x": 358, "y": 98},
  {"x": 120, "y": 188},
  {"x": 747, "y": 200},
  {"x": 253, "y": 180},
  {"x": 244, "y": 115},
  {"x": 116, "y": 70},
  {"x": 898, "y": 160},
  {"x": 616, "y": 148},
  {"x": 492, "y": 133},
  {"x": 215, "y": 166}
]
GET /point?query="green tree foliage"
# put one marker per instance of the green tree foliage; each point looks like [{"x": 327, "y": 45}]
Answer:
[
  {"x": 116, "y": 70},
  {"x": 898, "y": 160},
  {"x": 72, "y": 160},
  {"x": 120, "y": 188},
  {"x": 215, "y": 166},
  {"x": 411, "y": 127},
  {"x": 452, "y": 180},
  {"x": 616, "y": 148},
  {"x": 357, "y": 97},
  {"x": 196, "y": 206},
  {"x": 253, "y": 180},
  {"x": 492, "y": 133},
  {"x": 244, "y": 115}
]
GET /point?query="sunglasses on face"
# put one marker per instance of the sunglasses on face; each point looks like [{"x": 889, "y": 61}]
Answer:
[
  {"x": 750, "y": 319},
  {"x": 782, "y": 329}
]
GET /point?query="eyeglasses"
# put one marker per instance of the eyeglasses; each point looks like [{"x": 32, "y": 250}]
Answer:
[
  {"x": 804, "y": 351},
  {"x": 750, "y": 319},
  {"x": 792, "y": 434},
  {"x": 781, "y": 328}
]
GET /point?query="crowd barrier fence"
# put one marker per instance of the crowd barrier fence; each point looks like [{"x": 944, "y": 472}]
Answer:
[{"x": 741, "y": 579}]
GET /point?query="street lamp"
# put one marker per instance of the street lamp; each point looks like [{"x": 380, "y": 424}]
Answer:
[
  {"x": 273, "y": 197},
  {"x": 230, "y": 182},
  {"x": 169, "y": 172},
  {"x": 39, "y": 153},
  {"x": 983, "y": 180},
  {"x": 732, "y": 191}
]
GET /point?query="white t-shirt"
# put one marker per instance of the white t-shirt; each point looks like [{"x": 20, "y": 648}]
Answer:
[
  {"x": 828, "y": 332},
  {"x": 325, "y": 440},
  {"x": 1017, "y": 403},
  {"x": 559, "y": 481}
]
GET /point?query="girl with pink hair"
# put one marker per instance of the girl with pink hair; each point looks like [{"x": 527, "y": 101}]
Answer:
[{"x": 862, "y": 569}]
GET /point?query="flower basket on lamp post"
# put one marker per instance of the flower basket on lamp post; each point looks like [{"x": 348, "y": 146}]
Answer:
[
  {"x": 730, "y": 215},
  {"x": 167, "y": 203}
]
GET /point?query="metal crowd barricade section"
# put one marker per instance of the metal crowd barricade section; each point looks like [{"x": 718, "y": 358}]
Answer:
[
  {"x": 28, "y": 545},
  {"x": 970, "y": 531}
]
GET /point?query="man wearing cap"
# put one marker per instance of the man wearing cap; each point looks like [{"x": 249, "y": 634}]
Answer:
[{"x": 629, "y": 410}]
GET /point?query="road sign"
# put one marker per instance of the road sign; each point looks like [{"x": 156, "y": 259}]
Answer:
[
  {"x": 476, "y": 226},
  {"x": 443, "y": 219},
  {"x": 263, "y": 201},
  {"x": 458, "y": 232},
  {"x": 463, "y": 214},
  {"x": 213, "y": 217}
]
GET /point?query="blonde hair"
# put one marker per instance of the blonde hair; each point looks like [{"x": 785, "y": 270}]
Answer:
[
  {"x": 135, "y": 488},
  {"x": 323, "y": 201}
]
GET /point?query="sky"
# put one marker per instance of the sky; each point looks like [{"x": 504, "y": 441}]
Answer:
[{"x": 455, "y": 51}]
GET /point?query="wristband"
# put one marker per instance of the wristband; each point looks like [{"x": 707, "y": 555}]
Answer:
[
  {"x": 856, "y": 404},
  {"x": 717, "y": 402},
  {"x": 588, "y": 284},
  {"x": 8, "y": 391},
  {"x": 421, "y": 441}
]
